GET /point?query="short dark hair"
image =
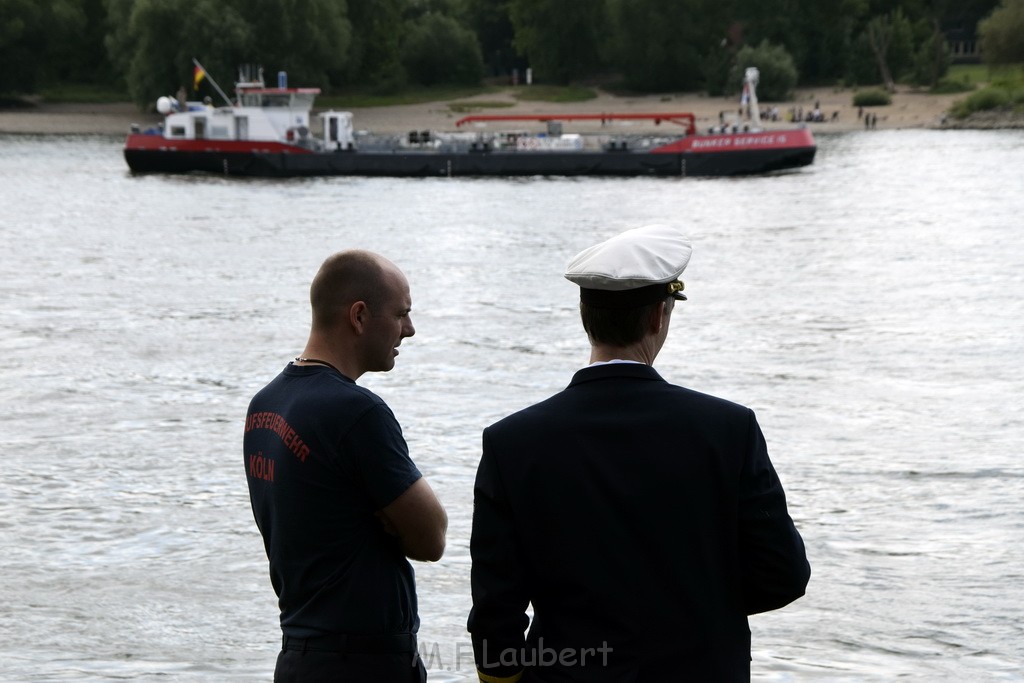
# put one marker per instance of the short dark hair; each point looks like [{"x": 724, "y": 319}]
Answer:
[
  {"x": 343, "y": 279},
  {"x": 617, "y": 326}
]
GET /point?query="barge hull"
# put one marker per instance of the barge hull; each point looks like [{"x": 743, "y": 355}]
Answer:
[{"x": 431, "y": 164}]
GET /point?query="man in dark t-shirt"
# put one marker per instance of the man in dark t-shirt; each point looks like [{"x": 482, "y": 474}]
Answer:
[{"x": 338, "y": 500}]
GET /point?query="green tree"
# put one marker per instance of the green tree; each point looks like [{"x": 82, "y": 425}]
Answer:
[
  {"x": 960, "y": 14},
  {"x": 772, "y": 20},
  {"x": 660, "y": 45},
  {"x": 35, "y": 36},
  {"x": 879, "y": 35},
  {"x": 437, "y": 49},
  {"x": 375, "y": 54},
  {"x": 778, "y": 75},
  {"x": 1002, "y": 33},
  {"x": 154, "y": 41},
  {"x": 931, "y": 62},
  {"x": 861, "y": 67},
  {"x": 822, "y": 38},
  {"x": 902, "y": 46},
  {"x": 562, "y": 40},
  {"x": 307, "y": 38},
  {"x": 491, "y": 22},
  {"x": 890, "y": 38},
  {"x": 80, "y": 56}
]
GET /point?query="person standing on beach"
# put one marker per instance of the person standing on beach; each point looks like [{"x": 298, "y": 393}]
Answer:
[
  {"x": 338, "y": 501},
  {"x": 643, "y": 521}
]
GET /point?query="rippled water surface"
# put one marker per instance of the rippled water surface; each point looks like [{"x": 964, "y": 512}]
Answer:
[{"x": 870, "y": 308}]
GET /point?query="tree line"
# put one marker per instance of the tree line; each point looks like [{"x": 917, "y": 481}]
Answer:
[{"x": 145, "y": 47}]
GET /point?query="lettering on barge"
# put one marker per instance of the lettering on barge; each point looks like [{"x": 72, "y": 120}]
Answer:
[{"x": 739, "y": 141}]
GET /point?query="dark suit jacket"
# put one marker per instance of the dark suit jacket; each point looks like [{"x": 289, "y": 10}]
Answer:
[{"x": 634, "y": 515}]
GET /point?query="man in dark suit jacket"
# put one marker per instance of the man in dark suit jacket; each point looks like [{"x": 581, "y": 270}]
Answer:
[{"x": 643, "y": 521}]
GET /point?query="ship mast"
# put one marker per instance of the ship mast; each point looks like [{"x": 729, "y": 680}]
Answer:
[{"x": 750, "y": 80}]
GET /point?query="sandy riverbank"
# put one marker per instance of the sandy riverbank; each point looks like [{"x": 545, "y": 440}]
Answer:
[{"x": 909, "y": 110}]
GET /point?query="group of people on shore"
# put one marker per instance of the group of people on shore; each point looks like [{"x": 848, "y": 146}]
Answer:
[
  {"x": 643, "y": 521},
  {"x": 870, "y": 119},
  {"x": 792, "y": 115},
  {"x": 816, "y": 115}
]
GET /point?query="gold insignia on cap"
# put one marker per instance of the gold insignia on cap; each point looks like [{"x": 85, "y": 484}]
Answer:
[{"x": 675, "y": 286}]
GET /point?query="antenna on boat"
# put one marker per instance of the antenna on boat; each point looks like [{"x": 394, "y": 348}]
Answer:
[{"x": 212, "y": 82}]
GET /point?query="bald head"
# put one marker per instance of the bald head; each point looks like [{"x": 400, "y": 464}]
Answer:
[{"x": 348, "y": 277}]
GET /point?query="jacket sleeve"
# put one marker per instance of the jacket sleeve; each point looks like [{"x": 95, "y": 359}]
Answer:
[
  {"x": 773, "y": 562},
  {"x": 498, "y": 619}
]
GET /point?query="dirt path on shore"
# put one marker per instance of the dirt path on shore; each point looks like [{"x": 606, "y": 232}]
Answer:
[{"x": 909, "y": 110}]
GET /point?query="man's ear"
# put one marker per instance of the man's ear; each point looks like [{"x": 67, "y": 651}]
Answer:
[
  {"x": 357, "y": 315},
  {"x": 658, "y": 319}
]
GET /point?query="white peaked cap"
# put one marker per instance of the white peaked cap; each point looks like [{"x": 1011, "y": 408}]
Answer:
[{"x": 638, "y": 259}]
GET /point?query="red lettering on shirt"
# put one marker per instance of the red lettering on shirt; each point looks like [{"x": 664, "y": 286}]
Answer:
[
  {"x": 278, "y": 425},
  {"x": 261, "y": 467}
]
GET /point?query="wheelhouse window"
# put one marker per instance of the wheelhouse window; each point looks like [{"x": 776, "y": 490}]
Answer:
[{"x": 277, "y": 100}]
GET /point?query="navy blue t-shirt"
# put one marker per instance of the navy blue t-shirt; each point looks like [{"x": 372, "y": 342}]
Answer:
[{"x": 322, "y": 454}]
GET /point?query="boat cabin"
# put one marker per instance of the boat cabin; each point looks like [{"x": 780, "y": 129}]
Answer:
[
  {"x": 337, "y": 127},
  {"x": 260, "y": 113}
]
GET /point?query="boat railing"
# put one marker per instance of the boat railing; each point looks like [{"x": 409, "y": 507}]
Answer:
[{"x": 685, "y": 119}]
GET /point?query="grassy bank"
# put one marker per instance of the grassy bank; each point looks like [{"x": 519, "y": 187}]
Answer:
[
  {"x": 77, "y": 93},
  {"x": 1003, "y": 90}
]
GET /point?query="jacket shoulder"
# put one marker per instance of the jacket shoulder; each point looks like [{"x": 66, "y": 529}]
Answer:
[{"x": 638, "y": 397}]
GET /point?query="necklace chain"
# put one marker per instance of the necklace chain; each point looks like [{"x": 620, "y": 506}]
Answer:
[{"x": 319, "y": 362}]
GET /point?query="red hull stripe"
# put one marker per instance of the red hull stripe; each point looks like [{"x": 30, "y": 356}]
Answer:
[
  {"x": 740, "y": 142},
  {"x": 158, "y": 143}
]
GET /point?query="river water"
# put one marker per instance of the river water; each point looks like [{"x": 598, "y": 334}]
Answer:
[{"x": 869, "y": 308}]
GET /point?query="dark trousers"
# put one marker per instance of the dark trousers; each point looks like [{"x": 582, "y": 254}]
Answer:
[
  {"x": 325, "y": 661},
  {"x": 294, "y": 666}
]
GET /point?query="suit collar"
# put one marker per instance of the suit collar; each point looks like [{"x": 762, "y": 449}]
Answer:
[{"x": 613, "y": 370}]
